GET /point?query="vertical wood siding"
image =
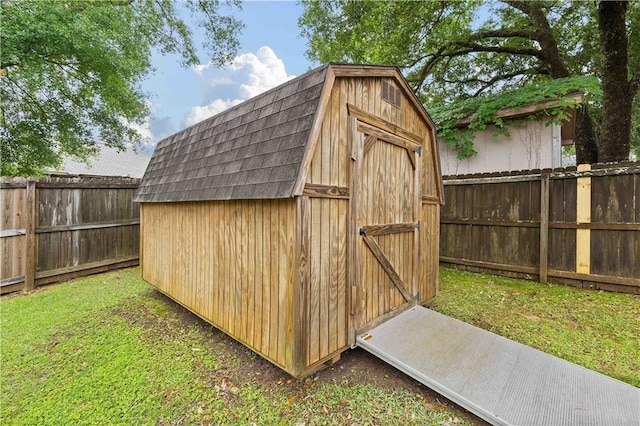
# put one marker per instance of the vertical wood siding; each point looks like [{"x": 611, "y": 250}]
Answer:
[
  {"x": 430, "y": 251},
  {"x": 333, "y": 145},
  {"x": 230, "y": 262},
  {"x": 327, "y": 297}
]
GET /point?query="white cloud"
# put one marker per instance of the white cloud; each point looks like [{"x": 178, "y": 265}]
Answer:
[
  {"x": 144, "y": 129},
  {"x": 199, "y": 113},
  {"x": 247, "y": 76},
  {"x": 147, "y": 128}
]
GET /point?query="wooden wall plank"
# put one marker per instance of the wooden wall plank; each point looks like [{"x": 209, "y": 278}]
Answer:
[
  {"x": 314, "y": 284},
  {"x": 289, "y": 264},
  {"x": 339, "y": 265},
  {"x": 235, "y": 279},
  {"x": 259, "y": 278},
  {"x": 282, "y": 290},
  {"x": 301, "y": 286},
  {"x": 275, "y": 276},
  {"x": 230, "y": 242},
  {"x": 327, "y": 298}
]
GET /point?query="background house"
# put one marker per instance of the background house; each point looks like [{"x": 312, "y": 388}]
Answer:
[
  {"x": 109, "y": 162},
  {"x": 530, "y": 143}
]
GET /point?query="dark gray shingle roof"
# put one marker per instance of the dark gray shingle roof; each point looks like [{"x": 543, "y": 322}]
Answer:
[{"x": 251, "y": 151}]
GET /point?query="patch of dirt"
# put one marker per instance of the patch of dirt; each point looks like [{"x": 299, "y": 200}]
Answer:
[{"x": 241, "y": 365}]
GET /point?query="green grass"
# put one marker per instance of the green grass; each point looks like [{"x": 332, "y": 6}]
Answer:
[
  {"x": 595, "y": 329},
  {"x": 108, "y": 349}
]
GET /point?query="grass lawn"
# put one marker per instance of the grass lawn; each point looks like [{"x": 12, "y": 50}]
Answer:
[{"x": 108, "y": 349}]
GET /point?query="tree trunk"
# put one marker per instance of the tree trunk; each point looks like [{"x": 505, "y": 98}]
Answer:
[
  {"x": 617, "y": 96},
  {"x": 585, "y": 138}
]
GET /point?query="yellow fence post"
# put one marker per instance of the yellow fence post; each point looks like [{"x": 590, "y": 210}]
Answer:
[{"x": 583, "y": 216}]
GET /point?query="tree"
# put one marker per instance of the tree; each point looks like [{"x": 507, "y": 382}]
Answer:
[
  {"x": 456, "y": 50},
  {"x": 618, "y": 89},
  {"x": 71, "y": 71}
]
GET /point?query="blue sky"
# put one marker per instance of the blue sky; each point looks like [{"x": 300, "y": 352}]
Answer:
[{"x": 271, "y": 52}]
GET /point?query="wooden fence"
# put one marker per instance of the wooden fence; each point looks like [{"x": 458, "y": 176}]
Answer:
[
  {"x": 56, "y": 228},
  {"x": 579, "y": 227}
]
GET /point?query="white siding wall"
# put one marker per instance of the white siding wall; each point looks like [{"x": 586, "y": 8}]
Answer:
[{"x": 531, "y": 145}]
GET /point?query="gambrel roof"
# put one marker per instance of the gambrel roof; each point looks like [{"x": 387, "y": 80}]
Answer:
[{"x": 255, "y": 150}]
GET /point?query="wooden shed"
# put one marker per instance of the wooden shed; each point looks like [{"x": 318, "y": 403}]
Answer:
[{"x": 301, "y": 217}]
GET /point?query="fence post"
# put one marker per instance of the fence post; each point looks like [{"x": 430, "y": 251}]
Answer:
[
  {"x": 30, "y": 255},
  {"x": 544, "y": 227},
  {"x": 583, "y": 215}
]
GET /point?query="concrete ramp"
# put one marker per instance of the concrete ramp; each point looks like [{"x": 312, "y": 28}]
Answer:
[{"x": 499, "y": 380}]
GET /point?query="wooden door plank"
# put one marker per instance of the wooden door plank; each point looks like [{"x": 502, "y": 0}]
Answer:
[
  {"x": 418, "y": 176},
  {"x": 389, "y": 228},
  {"x": 368, "y": 143},
  {"x": 353, "y": 249},
  {"x": 386, "y": 266},
  {"x": 387, "y": 137},
  {"x": 378, "y": 122}
]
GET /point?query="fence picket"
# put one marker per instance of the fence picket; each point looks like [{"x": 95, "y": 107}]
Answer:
[
  {"x": 44, "y": 240},
  {"x": 556, "y": 240}
]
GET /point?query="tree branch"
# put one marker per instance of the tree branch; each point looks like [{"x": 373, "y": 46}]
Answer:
[
  {"x": 506, "y": 76},
  {"x": 77, "y": 74},
  {"x": 549, "y": 52},
  {"x": 504, "y": 33},
  {"x": 474, "y": 47},
  {"x": 522, "y": 6},
  {"x": 467, "y": 47},
  {"x": 34, "y": 101},
  {"x": 499, "y": 77}
]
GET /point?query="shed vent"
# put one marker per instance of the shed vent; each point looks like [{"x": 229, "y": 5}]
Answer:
[{"x": 391, "y": 94}]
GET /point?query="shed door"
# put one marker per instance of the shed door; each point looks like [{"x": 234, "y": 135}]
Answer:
[{"x": 384, "y": 217}]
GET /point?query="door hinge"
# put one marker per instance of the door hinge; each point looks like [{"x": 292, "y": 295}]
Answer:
[
  {"x": 363, "y": 232},
  {"x": 417, "y": 225},
  {"x": 418, "y": 150}
]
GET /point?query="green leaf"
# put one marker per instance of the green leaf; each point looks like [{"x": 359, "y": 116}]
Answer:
[{"x": 71, "y": 72}]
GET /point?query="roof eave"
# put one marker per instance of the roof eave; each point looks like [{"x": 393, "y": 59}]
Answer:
[{"x": 527, "y": 110}]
